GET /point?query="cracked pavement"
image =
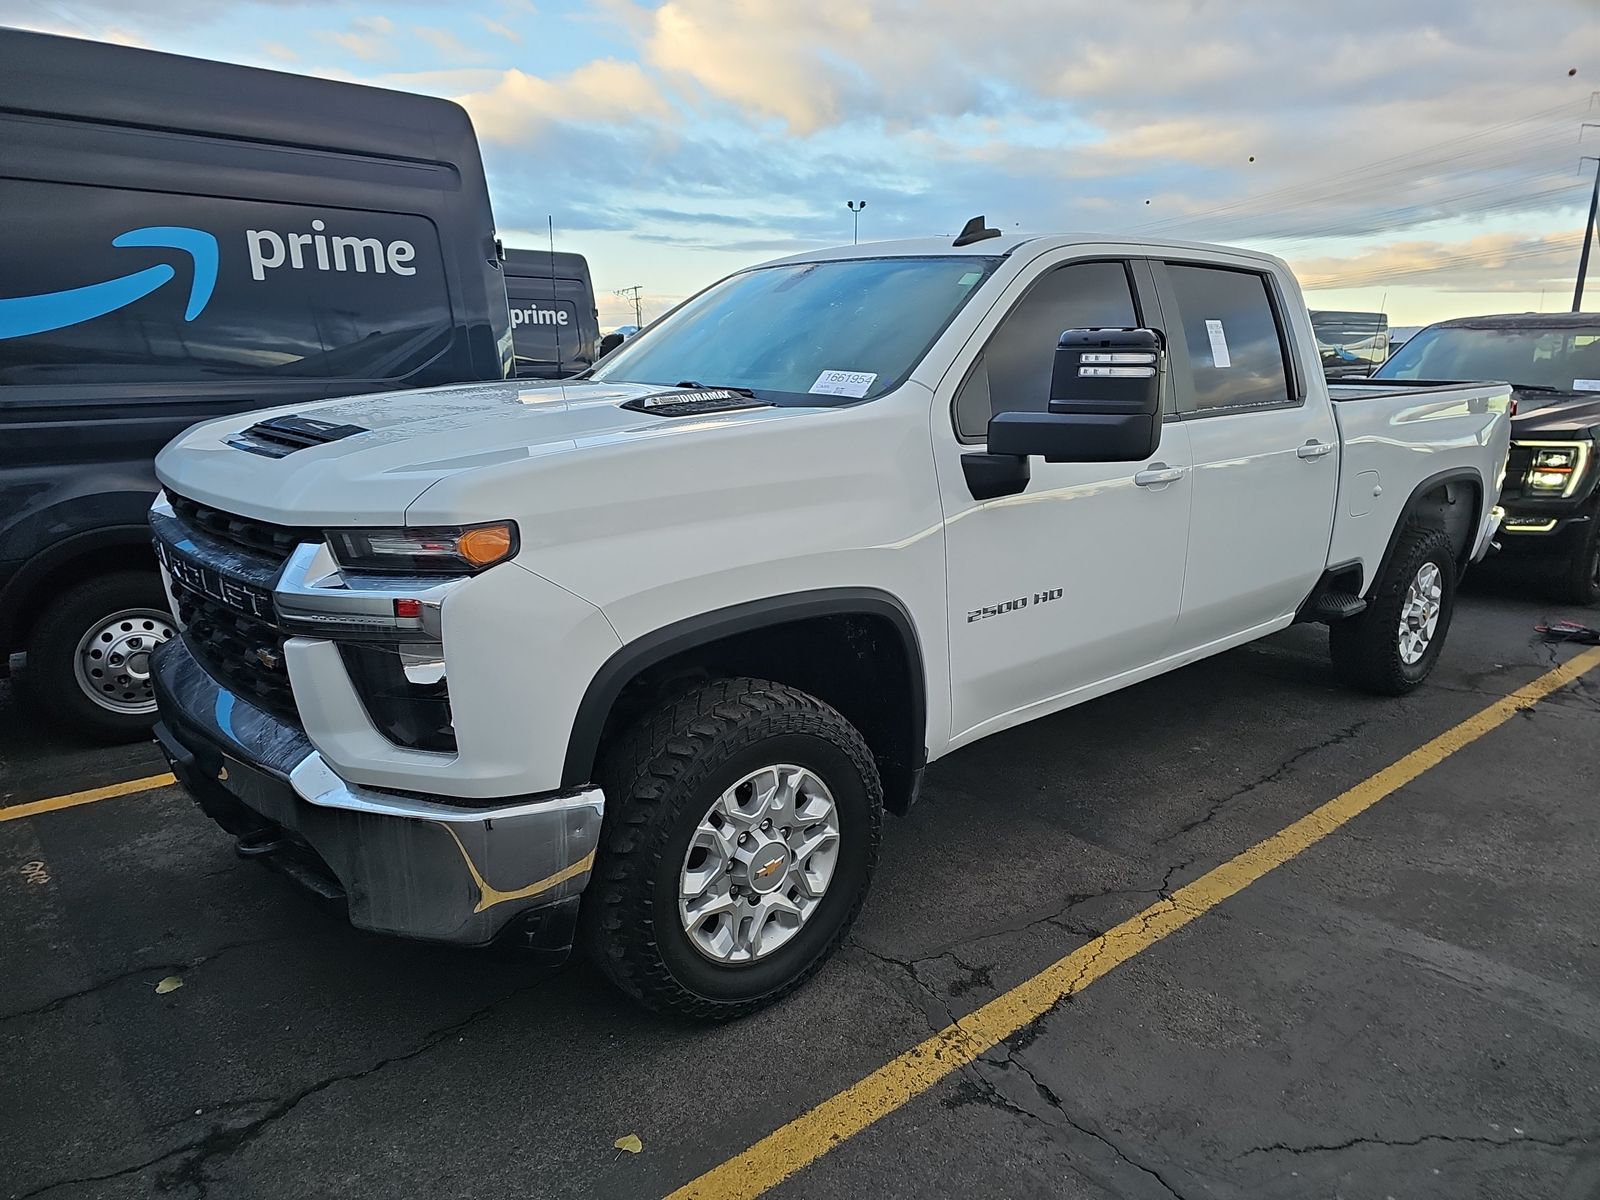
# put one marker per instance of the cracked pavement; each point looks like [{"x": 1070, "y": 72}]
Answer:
[{"x": 1410, "y": 1009}]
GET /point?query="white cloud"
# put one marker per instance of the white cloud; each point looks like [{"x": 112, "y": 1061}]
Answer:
[
  {"x": 500, "y": 29},
  {"x": 1498, "y": 262},
  {"x": 449, "y": 44},
  {"x": 520, "y": 107},
  {"x": 368, "y": 38}
]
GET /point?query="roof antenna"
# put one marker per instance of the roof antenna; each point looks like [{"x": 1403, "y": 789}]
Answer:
[
  {"x": 555, "y": 311},
  {"x": 974, "y": 231}
]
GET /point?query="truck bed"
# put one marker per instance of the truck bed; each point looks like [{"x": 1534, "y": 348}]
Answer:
[
  {"x": 1411, "y": 434},
  {"x": 1373, "y": 389}
]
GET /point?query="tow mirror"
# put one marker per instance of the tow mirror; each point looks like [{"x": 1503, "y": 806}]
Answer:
[
  {"x": 1105, "y": 401},
  {"x": 1104, "y": 406}
]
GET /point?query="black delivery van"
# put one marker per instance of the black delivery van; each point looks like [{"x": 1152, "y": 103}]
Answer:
[
  {"x": 181, "y": 240},
  {"x": 554, "y": 323}
]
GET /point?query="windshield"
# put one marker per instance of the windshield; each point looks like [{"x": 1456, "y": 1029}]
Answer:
[
  {"x": 812, "y": 333},
  {"x": 1568, "y": 359}
]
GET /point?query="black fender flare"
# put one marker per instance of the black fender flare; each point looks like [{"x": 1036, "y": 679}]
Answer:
[
  {"x": 583, "y": 743},
  {"x": 1467, "y": 475},
  {"x": 19, "y": 589}
]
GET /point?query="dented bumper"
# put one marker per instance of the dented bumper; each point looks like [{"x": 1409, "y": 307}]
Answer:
[{"x": 402, "y": 863}]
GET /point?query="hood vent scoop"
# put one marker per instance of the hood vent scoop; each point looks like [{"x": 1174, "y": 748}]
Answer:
[
  {"x": 680, "y": 403},
  {"x": 279, "y": 437}
]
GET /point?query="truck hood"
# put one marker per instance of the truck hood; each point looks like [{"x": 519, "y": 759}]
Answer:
[
  {"x": 1545, "y": 414},
  {"x": 409, "y": 441}
]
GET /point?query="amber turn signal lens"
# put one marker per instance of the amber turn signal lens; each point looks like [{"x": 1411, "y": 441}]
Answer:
[{"x": 485, "y": 545}]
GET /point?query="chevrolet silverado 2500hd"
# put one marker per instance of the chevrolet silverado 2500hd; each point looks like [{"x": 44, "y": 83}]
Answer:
[{"x": 640, "y": 659}]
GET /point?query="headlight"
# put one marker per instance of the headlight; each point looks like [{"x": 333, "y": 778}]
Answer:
[
  {"x": 1555, "y": 468},
  {"x": 451, "y": 550}
]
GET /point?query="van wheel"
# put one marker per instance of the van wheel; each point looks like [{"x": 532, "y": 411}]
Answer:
[
  {"x": 1392, "y": 646},
  {"x": 89, "y": 655},
  {"x": 741, "y": 831}
]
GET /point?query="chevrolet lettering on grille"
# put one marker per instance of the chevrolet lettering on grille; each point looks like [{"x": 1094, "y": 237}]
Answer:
[{"x": 208, "y": 581}]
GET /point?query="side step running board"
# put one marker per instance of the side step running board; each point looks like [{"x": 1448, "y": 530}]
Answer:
[{"x": 1335, "y": 606}]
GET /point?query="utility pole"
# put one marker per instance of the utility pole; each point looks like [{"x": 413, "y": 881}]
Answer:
[
  {"x": 855, "y": 208},
  {"x": 1588, "y": 226},
  {"x": 632, "y": 293}
]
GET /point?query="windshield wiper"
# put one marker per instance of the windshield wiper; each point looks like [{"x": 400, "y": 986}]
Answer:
[
  {"x": 1539, "y": 387},
  {"x": 720, "y": 387}
]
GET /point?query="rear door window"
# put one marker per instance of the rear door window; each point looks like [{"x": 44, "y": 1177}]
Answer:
[
  {"x": 106, "y": 285},
  {"x": 1234, "y": 345}
]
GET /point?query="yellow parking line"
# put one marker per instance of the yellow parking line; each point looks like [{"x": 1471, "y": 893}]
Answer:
[
  {"x": 808, "y": 1137},
  {"x": 73, "y": 799}
]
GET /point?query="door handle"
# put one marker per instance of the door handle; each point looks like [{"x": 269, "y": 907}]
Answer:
[
  {"x": 1158, "y": 473},
  {"x": 1313, "y": 449}
]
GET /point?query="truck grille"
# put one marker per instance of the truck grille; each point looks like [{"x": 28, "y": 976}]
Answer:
[
  {"x": 276, "y": 541},
  {"x": 221, "y": 587},
  {"x": 240, "y": 651}
]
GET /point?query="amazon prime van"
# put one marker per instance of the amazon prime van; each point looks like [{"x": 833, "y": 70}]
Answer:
[
  {"x": 180, "y": 240},
  {"x": 555, "y": 326}
]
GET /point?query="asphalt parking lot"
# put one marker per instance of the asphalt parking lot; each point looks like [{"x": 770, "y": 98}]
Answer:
[{"x": 1408, "y": 1006}]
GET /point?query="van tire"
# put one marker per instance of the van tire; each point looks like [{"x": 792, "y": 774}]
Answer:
[
  {"x": 1366, "y": 649},
  {"x": 663, "y": 780},
  {"x": 51, "y": 678}
]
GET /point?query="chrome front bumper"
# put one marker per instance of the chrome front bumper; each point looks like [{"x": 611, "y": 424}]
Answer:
[{"x": 406, "y": 864}]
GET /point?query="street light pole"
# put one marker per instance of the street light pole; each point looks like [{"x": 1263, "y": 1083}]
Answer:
[
  {"x": 855, "y": 208},
  {"x": 1588, "y": 236}
]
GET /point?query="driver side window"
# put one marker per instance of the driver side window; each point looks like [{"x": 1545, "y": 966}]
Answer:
[{"x": 1013, "y": 372}]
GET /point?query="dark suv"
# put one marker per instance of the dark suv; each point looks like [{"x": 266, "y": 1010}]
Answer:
[
  {"x": 1552, "y": 361},
  {"x": 182, "y": 240}
]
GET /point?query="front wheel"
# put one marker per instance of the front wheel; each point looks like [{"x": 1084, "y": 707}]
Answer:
[
  {"x": 89, "y": 655},
  {"x": 741, "y": 832},
  {"x": 1578, "y": 581},
  {"x": 1392, "y": 646}
]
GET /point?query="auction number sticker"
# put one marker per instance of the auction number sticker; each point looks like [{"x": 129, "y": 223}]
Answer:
[
  {"x": 1219, "y": 344},
  {"x": 843, "y": 383}
]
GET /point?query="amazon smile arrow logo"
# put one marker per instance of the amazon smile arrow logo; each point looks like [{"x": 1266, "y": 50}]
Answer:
[{"x": 24, "y": 315}]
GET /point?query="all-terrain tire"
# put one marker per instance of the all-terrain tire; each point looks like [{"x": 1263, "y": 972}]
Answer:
[
  {"x": 1366, "y": 649},
  {"x": 660, "y": 780},
  {"x": 51, "y": 679}
]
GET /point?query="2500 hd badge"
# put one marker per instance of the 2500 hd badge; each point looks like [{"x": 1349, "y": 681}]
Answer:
[{"x": 1011, "y": 606}]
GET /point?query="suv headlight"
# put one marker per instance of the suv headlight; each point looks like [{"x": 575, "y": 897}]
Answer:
[
  {"x": 450, "y": 550},
  {"x": 1555, "y": 468}
]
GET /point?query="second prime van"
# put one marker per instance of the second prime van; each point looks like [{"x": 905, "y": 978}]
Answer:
[
  {"x": 555, "y": 326},
  {"x": 182, "y": 240}
]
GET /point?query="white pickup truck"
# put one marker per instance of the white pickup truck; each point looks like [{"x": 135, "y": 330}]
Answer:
[{"x": 639, "y": 660}]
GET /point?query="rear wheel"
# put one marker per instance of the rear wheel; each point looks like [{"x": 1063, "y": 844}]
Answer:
[
  {"x": 1392, "y": 646},
  {"x": 89, "y": 655},
  {"x": 741, "y": 832}
]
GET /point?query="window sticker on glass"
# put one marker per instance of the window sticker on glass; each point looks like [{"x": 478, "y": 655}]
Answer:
[
  {"x": 843, "y": 383},
  {"x": 970, "y": 278},
  {"x": 1586, "y": 385},
  {"x": 1219, "y": 344}
]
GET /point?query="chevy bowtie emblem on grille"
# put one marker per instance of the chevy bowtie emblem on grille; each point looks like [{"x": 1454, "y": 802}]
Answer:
[
  {"x": 767, "y": 868},
  {"x": 268, "y": 658}
]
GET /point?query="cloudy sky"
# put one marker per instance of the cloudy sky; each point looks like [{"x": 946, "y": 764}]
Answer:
[{"x": 1420, "y": 154}]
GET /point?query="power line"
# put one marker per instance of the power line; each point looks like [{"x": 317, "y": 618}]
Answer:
[
  {"x": 1508, "y": 146},
  {"x": 633, "y": 293}
]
